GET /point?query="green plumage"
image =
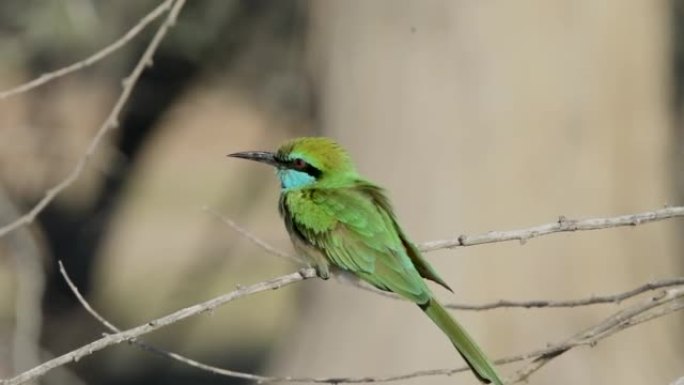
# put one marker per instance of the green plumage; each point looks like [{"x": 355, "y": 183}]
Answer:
[
  {"x": 473, "y": 355},
  {"x": 340, "y": 220}
]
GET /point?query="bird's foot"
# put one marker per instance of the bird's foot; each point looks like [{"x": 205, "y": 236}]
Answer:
[
  {"x": 322, "y": 272},
  {"x": 305, "y": 272}
]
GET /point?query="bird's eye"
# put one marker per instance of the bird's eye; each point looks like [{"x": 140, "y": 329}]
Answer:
[{"x": 299, "y": 164}]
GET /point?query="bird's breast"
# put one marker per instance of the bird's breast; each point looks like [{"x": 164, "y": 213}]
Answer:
[{"x": 307, "y": 210}]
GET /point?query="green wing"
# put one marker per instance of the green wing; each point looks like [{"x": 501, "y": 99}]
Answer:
[
  {"x": 355, "y": 229},
  {"x": 424, "y": 268},
  {"x": 358, "y": 235}
]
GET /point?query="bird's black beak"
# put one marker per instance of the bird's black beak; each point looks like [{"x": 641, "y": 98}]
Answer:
[{"x": 257, "y": 156}]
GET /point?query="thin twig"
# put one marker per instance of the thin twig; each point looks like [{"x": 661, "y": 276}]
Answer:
[
  {"x": 593, "y": 300},
  {"x": 96, "y": 57},
  {"x": 109, "y": 124},
  {"x": 82, "y": 300},
  {"x": 250, "y": 236},
  {"x": 563, "y": 224},
  {"x": 651, "y": 308}
]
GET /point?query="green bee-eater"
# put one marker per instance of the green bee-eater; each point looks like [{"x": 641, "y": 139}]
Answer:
[{"x": 338, "y": 220}]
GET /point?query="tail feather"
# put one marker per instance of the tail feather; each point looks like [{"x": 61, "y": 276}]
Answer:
[{"x": 471, "y": 353}]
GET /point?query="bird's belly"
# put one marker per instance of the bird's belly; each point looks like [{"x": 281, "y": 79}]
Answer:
[
  {"x": 312, "y": 256},
  {"x": 345, "y": 276}
]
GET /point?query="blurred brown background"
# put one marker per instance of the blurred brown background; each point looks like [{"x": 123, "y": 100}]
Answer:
[{"x": 475, "y": 115}]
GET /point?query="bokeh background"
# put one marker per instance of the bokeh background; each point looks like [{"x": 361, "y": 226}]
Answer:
[{"x": 476, "y": 115}]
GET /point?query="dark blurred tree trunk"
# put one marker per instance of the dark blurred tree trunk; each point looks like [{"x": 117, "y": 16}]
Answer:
[{"x": 76, "y": 235}]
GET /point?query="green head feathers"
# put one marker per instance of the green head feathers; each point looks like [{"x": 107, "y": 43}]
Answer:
[{"x": 306, "y": 161}]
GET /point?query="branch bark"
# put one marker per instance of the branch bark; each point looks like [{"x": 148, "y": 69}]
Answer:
[
  {"x": 562, "y": 225},
  {"x": 593, "y": 300}
]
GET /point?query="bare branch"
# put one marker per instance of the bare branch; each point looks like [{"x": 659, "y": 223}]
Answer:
[
  {"x": 651, "y": 308},
  {"x": 158, "y": 323},
  {"x": 593, "y": 300},
  {"x": 150, "y": 348},
  {"x": 522, "y": 235},
  {"x": 96, "y": 57},
  {"x": 110, "y": 123},
  {"x": 562, "y": 225},
  {"x": 176, "y": 356},
  {"x": 83, "y": 301}
]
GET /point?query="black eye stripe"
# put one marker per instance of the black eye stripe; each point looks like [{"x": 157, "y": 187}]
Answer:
[
  {"x": 290, "y": 163},
  {"x": 308, "y": 168},
  {"x": 313, "y": 171}
]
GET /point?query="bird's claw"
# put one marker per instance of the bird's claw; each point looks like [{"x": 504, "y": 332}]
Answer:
[{"x": 322, "y": 273}]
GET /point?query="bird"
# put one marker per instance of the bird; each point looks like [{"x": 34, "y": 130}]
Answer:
[{"x": 343, "y": 223}]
